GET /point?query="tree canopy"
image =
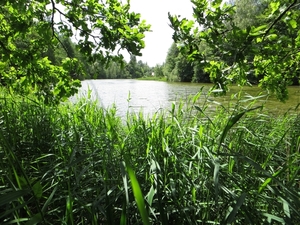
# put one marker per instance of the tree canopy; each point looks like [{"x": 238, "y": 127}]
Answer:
[
  {"x": 31, "y": 28},
  {"x": 265, "y": 46}
]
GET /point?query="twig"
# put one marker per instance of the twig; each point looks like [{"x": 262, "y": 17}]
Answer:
[
  {"x": 278, "y": 18},
  {"x": 52, "y": 18}
]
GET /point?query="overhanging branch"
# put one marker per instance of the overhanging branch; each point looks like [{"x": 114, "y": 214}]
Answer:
[{"x": 279, "y": 18}]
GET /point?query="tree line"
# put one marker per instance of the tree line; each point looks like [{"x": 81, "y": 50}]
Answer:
[{"x": 98, "y": 70}]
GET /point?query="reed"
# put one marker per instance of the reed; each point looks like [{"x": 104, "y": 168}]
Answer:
[{"x": 81, "y": 164}]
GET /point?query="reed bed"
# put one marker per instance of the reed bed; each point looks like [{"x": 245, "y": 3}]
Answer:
[{"x": 81, "y": 164}]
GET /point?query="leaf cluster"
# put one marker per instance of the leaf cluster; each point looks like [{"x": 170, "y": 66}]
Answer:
[
  {"x": 30, "y": 28},
  {"x": 267, "y": 49}
]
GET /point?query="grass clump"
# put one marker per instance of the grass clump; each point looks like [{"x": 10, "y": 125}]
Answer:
[{"x": 81, "y": 164}]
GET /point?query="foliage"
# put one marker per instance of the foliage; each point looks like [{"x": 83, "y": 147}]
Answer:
[
  {"x": 144, "y": 68},
  {"x": 158, "y": 70},
  {"x": 268, "y": 50},
  {"x": 184, "y": 69},
  {"x": 248, "y": 12},
  {"x": 81, "y": 164},
  {"x": 170, "y": 62},
  {"x": 31, "y": 29},
  {"x": 178, "y": 68},
  {"x": 199, "y": 76},
  {"x": 133, "y": 68}
]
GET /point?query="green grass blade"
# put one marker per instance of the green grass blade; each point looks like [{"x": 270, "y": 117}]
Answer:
[
  {"x": 150, "y": 195},
  {"x": 231, "y": 217},
  {"x": 49, "y": 199},
  {"x": 123, "y": 215},
  {"x": 216, "y": 177},
  {"x": 6, "y": 198},
  {"x": 138, "y": 196},
  {"x": 200, "y": 110},
  {"x": 273, "y": 217},
  {"x": 233, "y": 120},
  {"x": 124, "y": 178},
  {"x": 37, "y": 218}
]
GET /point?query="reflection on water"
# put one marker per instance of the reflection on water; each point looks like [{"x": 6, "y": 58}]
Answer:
[{"x": 151, "y": 96}]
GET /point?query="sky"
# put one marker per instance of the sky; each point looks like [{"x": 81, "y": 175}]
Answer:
[{"x": 155, "y": 12}]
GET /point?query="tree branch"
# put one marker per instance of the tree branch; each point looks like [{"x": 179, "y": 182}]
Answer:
[
  {"x": 278, "y": 18},
  {"x": 52, "y": 18}
]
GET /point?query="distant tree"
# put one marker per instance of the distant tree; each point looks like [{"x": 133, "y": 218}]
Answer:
[
  {"x": 144, "y": 69},
  {"x": 170, "y": 63},
  {"x": 147, "y": 70},
  {"x": 178, "y": 68},
  {"x": 184, "y": 69},
  {"x": 134, "y": 70},
  {"x": 158, "y": 70},
  {"x": 97, "y": 71},
  {"x": 248, "y": 12},
  {"x": 200, "y": 76}
]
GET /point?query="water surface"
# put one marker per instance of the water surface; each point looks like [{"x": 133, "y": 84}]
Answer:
[{"x": 152, "y": 96}]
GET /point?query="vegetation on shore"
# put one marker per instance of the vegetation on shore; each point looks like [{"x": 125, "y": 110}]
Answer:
[
  {"x": 153, "y": 78},
  {"x": 81, "y": 164}
]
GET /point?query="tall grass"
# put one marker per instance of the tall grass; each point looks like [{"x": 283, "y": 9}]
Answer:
[{"x": 81, "y": 164}]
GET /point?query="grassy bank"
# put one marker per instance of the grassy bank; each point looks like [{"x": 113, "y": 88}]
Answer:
[
  {"x": 80, "y": 164},
  {"x": 153, "y": 78}
]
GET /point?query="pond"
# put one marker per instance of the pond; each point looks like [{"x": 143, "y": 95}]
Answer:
[{"x": 152, "y": 96}]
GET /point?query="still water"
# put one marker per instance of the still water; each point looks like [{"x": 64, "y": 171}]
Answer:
[{"x": 153, "y": 96}]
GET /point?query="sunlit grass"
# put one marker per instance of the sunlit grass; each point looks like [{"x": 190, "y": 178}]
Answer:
[
  {"x": 81, "y": 164},
  {"x": 153, "y": 78}
]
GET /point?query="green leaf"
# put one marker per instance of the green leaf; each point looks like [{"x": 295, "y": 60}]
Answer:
[
  {"x": 49, "y": 199},
  {"x": 272, "y": 37},
  {"x": 123, "y": 219},
  {"x": 216, "y": 176},
  {"x": 293, "y": 23},
  {"x": 124, "y": 178},
  {"x": 286, "y": 208},
  {"x": 274, "y": 6},
  {"x": 150, "y": 195},
  {"x": 37, "y": 189},
  {"x": 37, "y": 218},
  {"x": 264, "y": 185},
  {"x": 137, "y": 192},
  {"x": 7, "y": 198},
  {"x": 273, "y": 217},
  {"x": 255, "y": 31},
  {"x": 268, "y": 180},
  {"x": 233, "y": 120},
  {"x": 200, "y": 110},
  {"x": 259, "y": 39},
  {"x": 231, "y": 217}
]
